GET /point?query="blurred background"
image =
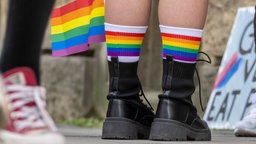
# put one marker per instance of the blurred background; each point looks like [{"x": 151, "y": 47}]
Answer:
[{"x": 77, "y": 85}]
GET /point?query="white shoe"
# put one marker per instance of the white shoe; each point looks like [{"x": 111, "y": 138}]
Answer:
[
  {"x": 29, "y": 122},
  {"x": 247, "y": 126}
]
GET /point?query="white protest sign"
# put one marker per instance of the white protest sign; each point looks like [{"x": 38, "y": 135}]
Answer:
[{"x": 236, "y": 79}]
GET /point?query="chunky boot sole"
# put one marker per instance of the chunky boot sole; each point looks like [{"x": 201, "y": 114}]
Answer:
[
  {"x": 123, "y": 128},
  {"x": 170, "y": 130}
]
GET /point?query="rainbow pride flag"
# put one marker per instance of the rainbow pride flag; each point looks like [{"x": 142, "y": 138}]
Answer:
[{"x": 77, "y": 25}]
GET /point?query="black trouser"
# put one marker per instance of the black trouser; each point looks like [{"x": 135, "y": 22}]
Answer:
[{"x": 26, "y": 24}]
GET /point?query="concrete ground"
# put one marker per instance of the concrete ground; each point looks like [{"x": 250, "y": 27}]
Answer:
[{"x": 77, "y": 135}]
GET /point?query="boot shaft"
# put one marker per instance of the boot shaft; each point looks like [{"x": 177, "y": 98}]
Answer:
[
  {"x": 125, "y": 106},
  {"x": 175, "y": 105},
  {"x": 177, "y": 80},
  {"x": 123, "y": 79}
]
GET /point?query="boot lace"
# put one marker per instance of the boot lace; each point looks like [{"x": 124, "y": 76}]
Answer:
[
  {"x": 198, "y": 77},
  {"x": 25, "y": 116},
  {"x": 143, "y": 94}
]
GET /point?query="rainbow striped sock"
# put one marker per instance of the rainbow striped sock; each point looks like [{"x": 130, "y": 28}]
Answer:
[
  {"x": 182, "y": 43},
  {"x": 124, "y": 42}
]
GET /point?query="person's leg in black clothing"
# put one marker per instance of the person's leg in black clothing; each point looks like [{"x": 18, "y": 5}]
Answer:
[
  {"x": 29, "y": 122},
  {"x": 27, "y": 20}
]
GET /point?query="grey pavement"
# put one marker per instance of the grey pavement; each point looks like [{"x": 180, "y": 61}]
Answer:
[{"x": 78, "y": 135}]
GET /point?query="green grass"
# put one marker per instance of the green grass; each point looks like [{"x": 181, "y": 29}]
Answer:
[{"x": 85, "y": 122}]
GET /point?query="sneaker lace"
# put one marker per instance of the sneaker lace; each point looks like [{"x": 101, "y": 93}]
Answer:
[
  {"x": 29, "y": 116},
  {"x": 198, "y": 77}
]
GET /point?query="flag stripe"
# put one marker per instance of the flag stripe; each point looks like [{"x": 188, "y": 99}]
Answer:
[
  {"x": 75, "y": 5},
  {"x": 84, "y": 20},
  {"x": 78, "y": 48},
  {"x": 78, "y": 30},
  {"x": 99, "y": 30},
  {"x": 75, "y": 14}
]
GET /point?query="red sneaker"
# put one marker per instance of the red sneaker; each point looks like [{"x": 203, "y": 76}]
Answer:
[{"x": 29, "y": 122}]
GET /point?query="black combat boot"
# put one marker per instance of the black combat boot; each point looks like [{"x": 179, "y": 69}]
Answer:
[
  {"x": 176, "y": 117},
  {"x": 127, "y": 117}
]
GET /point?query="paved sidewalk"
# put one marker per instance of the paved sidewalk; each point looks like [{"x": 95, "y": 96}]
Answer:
[{"x": 76, "y": 135}]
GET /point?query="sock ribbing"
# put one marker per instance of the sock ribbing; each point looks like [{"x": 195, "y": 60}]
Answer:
[
  {"x": 124, "y": 42},
  {"x": 182, "y": 43}
]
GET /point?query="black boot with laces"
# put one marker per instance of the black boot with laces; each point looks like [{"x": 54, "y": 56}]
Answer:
[
  {"x": 127, "y": 116},
  {"x": 176, "y": 117}
]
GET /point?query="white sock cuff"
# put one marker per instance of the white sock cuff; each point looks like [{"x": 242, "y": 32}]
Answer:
[
  {"x": 124, "y": 28},
  {"x": 126, "y": 59},
  {"x": 181, "y": 31}
]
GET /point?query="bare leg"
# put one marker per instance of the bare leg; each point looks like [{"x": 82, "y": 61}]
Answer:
[
  {"x": 183, "y": 13},
  {"x": 130, "y": 13},
  {"x": 126, "y": 24},
  {"x": 181, "y": 24}
]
